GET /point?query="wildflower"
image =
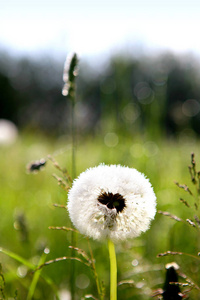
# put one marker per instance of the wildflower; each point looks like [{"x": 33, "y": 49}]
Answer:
[{"x": 111, "y": 202}]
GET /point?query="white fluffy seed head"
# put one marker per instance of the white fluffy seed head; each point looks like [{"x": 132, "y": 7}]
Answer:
[{"x": 112, "y": 202}]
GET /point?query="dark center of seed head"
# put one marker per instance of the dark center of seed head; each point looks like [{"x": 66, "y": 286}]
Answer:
[{"x": 112, "y": 201}]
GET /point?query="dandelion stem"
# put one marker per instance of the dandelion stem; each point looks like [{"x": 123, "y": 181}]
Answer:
[{"x": 113, "y": 271}]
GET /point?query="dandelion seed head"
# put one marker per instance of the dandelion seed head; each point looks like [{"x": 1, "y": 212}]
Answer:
[{"x": 112, "y": 202}]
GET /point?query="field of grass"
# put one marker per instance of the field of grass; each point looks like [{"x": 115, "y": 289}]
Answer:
[{"x": 27, "y": 211}]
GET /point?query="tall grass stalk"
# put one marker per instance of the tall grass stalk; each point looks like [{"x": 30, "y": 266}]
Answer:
[
  {"x": 73, "y": 130},
  {"x": 113, "y": 271},
  {"x": 99, "y": 287},
  {"x": 73, "y": 174},
  {"x": 69, "y": 89},
  {"x": 35, "y": 279}
]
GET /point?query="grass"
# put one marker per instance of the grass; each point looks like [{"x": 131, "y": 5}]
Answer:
[{"x": 27, "y": 211}]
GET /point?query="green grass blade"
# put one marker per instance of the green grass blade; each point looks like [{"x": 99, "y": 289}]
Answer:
[
  {"x": 35, "y": 278},
  {"x": 32, "y": 267},
  {"x": 17, "y": 258}
]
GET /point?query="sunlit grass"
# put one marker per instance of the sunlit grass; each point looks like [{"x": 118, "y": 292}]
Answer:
[{"x": 31, "y": 196}]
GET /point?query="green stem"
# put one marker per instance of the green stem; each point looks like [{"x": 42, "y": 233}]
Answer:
[
  {"x": 35, "y": 278},
  {"x": 113, "y": 271},
  {"x": 99, "y": 290},
  {"x": 69, "y": 90},
  {"x": 73, "y": 132},
  {"x": 73, "y": 266},
  {"x": 73, "y": 234}
]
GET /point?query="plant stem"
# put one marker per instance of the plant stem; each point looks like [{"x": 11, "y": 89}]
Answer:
[
  {"x": 99, "y": 290},
  {"x": 69, "y": 90},
  {"x": 73, "y": 269},
  {"x": 35, "y": 278},
  {"x": 113, "y": 271},
  {"x": 73, "y": 133},
  {"x": 73, "y": 234}
]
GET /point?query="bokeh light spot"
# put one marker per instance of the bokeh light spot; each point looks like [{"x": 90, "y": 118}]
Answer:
[
  {"x": 191, "y": 108},
  {"x": 135, "y": 262},
  {"x": 130, "y": 113},
  {"x": 46, "y": 250},
  {"x": 82, "y": 281},
  {"x": 144, "y": 93},
  {"x": 8, "y": 132},
  {"x": 150, "y": 149},
  {"x": 22, "y": 271},
  {"x": 111, "y": 139}
]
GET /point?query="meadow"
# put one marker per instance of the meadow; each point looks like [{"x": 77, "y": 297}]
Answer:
[
  {"x": 27, "y": 211},
  {"x": 133, "y": 116}
]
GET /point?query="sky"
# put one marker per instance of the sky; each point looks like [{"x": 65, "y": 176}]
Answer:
[{"x": 99, "y": 27}]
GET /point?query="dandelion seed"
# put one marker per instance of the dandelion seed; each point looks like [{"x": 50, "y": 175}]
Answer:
[{"x": 111, "y": 202}]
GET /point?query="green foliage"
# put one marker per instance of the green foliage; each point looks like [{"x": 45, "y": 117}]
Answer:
[{"x": 27, "y": 211}]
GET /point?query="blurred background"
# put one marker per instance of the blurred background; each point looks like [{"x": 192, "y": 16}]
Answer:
[
  {"x": 137, "y": 104},
  {"x": 139, "y": 64}
]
